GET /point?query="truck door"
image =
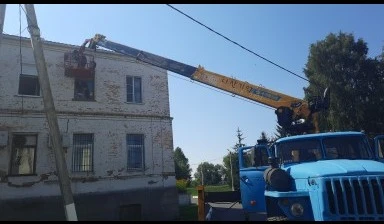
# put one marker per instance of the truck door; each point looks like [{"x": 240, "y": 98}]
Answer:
[
  {"x": 253, "y": 161},
  {"x": 379, "y": 148}
]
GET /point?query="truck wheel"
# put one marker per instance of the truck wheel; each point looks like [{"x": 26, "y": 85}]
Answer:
[{"x": 277, "y": 218}]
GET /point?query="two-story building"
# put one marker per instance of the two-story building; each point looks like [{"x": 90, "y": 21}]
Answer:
[{"x": 116, "y": 132}]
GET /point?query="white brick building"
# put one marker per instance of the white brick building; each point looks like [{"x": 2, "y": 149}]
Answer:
[{"x": 117, "y": 139}]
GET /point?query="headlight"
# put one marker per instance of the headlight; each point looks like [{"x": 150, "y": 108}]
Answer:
[{"x": 297, "y": 209}]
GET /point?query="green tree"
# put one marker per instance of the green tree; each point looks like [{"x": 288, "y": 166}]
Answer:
[
  {"x": 263, "y": 136},
  {"x": 222, "y": 172},
  {"x": 232, "y": 158},
  {"x": 208, "y": 174},
  {"x": 341, "y": 63},
  {"x": 182, "y": 169},
  {"x": 280, "y": 132}
]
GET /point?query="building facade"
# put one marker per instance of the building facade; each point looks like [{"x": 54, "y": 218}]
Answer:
[{"x": 116, "y": 133}]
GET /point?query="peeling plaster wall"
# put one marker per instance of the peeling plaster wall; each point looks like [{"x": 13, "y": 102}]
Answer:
[
  {"x": 109, "y": 118},
  {"x": 110, "y": 154},
  {"x": 110, "y": 82}
]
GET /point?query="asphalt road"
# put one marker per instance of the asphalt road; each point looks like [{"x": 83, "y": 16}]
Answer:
[{"x": 228, "y": 211}]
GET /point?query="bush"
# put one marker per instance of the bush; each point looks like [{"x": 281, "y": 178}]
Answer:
[
  {"x": 194, "y": 183},
  {"x": 181, "y": 185}
]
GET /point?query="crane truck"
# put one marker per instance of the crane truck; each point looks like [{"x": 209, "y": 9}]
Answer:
[
  {"x": 307, "y": 176},
  {"x": 293, "y": 114}
]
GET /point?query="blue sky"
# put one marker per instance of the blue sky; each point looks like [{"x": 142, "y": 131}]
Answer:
[{"x": 206, "y": 120}]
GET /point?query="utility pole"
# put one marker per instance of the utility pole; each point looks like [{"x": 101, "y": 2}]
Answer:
[
  {"x": 61, "y": 166},
  {"x": 2, "y": 17},
  {"x": 230, "y": 163},
  {"x": 202, "y": 177}
]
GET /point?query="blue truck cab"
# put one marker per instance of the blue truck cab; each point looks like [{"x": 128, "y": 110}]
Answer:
[{"x": 331, "y": 176}]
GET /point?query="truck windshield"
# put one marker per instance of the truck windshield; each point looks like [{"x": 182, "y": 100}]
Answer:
[
  {"x": 348, "y": 147},
  {"x": 340, "y": 147},
  {"x": 299, "y": 151}
]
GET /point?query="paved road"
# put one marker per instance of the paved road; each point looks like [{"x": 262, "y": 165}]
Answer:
[{"x": 228, "y": 211}]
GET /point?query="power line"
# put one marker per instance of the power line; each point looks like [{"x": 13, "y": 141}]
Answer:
[{"x": 252, "y": 52}]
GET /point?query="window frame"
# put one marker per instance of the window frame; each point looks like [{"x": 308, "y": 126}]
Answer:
[
  {"x": 86, "y": 80},
  {"x": 129, "y": 166},
  {"x": 12, "y": 156},
  {"x": 133, "y": 90},
  {"x": 343, "y": 146},
  {"x": 24, "y": 75},
  {"x": 77, "y": 167},
  {"x": 304, "y": 146}
]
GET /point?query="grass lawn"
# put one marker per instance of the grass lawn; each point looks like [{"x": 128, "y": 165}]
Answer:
[
  {"x": 189, "y": 212},
  {"x": 219, "y": 188}
]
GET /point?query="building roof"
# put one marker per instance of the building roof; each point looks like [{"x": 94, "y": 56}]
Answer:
[{"x": 52, "y": 43}]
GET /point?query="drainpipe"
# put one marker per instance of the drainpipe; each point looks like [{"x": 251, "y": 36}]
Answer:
[{"x": 61, "y": 166}]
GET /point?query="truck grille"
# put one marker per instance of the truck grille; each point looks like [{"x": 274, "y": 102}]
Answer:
[{"x": 356, "y": 198}]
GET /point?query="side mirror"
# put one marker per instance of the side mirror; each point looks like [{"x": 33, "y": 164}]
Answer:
[{"x": 379, "y": 147}]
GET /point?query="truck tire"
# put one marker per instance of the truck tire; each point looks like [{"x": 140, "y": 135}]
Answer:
[{"x": 277, "y": 218}]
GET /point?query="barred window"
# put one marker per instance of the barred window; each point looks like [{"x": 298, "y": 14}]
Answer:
[
  {"x": 135, "y": 148},
  {"x": 82, "y": 154},
  {"x": 134, "y": 89},
  {"x": 23, "y": 156}
]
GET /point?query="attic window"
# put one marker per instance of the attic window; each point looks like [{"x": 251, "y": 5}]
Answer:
[{"x": 29, "y": 85}]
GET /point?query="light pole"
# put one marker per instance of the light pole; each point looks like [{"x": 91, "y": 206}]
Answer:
[{"x": 230, "y": 163}]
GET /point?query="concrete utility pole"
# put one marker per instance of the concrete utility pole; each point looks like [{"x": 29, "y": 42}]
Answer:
[
  {"x": 61, "y": 166},
  {"x": 230, "y": 163},
  {"x": 2, "y": 17},
  {"x": 202, "y": 176}
]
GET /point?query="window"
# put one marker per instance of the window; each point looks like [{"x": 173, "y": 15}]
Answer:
[
  {"x": 254, "y": 157},
  {"x": 134, "y": 89},
  {"x": 347, "y": 147},
  {"x": 84, "y": 89},
  {"x": 261, "y": 157},
  {"x": 29, "y": 85},
  {"x": 247, "y": 155},
  {"x": 82, "y": 155},
  {"x": 23, "y": 156},
  {"x": 135, "y": 148},
  {"x": 300, "y": 151}
]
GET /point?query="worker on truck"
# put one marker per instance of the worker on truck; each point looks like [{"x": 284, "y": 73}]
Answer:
[
  {"x": 303, "y": 155},
  {"x": 79, "y": 57},
  {"x": 295, "y": 155}
]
